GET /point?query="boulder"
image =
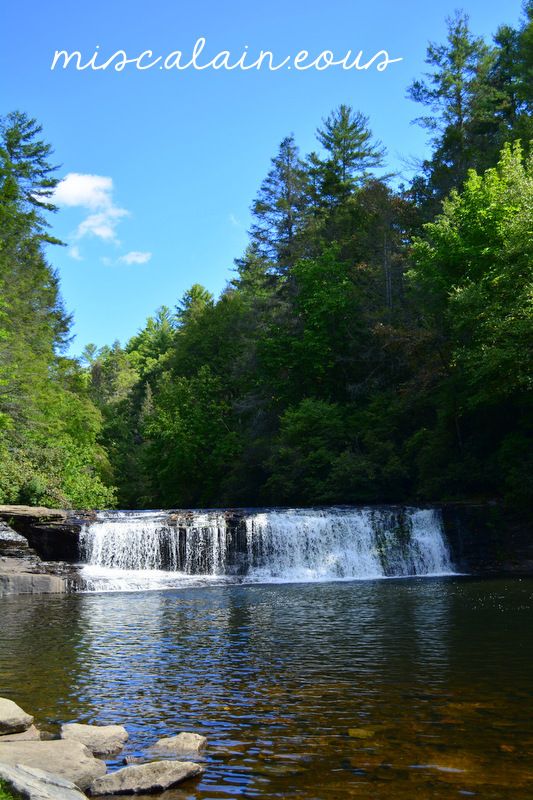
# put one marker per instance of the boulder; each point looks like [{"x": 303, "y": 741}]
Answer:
[
  {"x": 102, "y": 740},
  {"x": 31, "y": 735},
  {"x": 184, "y": 742},
  {"x": 12, "y": 718},
  {"x": 70, "y": 760},
  {"x": 156, "y": 776},
  {"x": 36, "y": 784}
]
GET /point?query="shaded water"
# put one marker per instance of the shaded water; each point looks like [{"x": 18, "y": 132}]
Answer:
[{"x": 375, "y": 689}]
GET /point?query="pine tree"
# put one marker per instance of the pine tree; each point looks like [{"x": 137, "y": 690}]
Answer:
[
  {"x": 279, "y": 208},
  {"x": 351, "y": 155},
  {"x": 449, "y": 92},
  {"x": 256, "y": 274},
  {"x": 193, "y": 303},
  {"x": 27, "y": 178},
  {"x": 513, "y": 75}
]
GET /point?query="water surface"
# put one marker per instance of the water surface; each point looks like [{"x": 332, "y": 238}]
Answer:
[{"x": 374, "y": 689}]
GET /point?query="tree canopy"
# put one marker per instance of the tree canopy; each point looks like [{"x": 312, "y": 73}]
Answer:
[{"x": 374, "y": 344}]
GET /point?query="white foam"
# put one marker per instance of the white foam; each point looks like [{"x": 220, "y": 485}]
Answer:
[{"x": 152, "y": 550}]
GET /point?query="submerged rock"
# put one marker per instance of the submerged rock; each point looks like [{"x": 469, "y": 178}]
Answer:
[
  {"x": 70, "y": 760},
  {"x": 36, "y": 784},
  {"x": 12, "y": 718},
  {"x": 102, "y": 740},
  {"x": 184, "y": 742},
  {"x": 361, "y": 733},
  {"x": 156, "y": 776}
]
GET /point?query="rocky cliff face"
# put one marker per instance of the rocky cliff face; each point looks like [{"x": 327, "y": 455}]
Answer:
[
  {"x": 52, "y": 533},
  {"x": 488, "y": 539}
]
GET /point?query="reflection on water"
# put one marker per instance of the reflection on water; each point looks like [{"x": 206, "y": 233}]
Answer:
[{"x": 374, "y": 689}]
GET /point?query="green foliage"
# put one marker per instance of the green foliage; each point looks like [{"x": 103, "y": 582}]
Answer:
[
  {"x": 475, "y": 264},
  {"x": 473, "y": 268},
  {"x": 335, "y": 453},
  {"x": 329, "y": 378},
  {"x": 306, "y": 453},
  {"x": 479, "y": 97},
  {"x": 349, "y": 155},
  {"x": 314, "y": 350},
  {"x": 189, "y": 444},
  {"x": 27, "y": 178},
  {"x": 374, "y": 345},
  {"x": 6, "y": 793},
  {"x": 49, "y": 428}
]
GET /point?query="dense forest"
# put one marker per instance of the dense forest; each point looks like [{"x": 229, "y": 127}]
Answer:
[{"x": 374, "y": 344}]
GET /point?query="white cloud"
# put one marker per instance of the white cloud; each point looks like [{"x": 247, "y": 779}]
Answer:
[
  {"x": 102, "y": 224},
  {"x": 94, "y": 193},
  {"x": 135, "y": 257},
  {"x": 74, "y": 252},
  {"x": 88, "y": 191},
  {"x": 234, "y": 221}
]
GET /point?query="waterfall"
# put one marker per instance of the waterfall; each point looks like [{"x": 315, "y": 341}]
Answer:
[{"x": 131, "y": 550}]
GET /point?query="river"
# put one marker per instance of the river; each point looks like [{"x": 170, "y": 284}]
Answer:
[{"x": 382, "y": 689}]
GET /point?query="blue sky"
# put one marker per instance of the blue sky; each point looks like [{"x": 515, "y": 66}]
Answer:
[{"x": 166, "y": 163}]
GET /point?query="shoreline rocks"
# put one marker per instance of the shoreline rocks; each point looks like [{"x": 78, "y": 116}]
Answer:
[
  {"x": 52, "y": 533},
  {"x": 70, "y": 760},
  {"x": 29, "y": 735},
  {"x": 38, "y": 784},
  {"x": 16, "y": 578},
  {"x": 12, "y": 718},
  {"x": 184, "y": 743},
  {"x": 155, "y": 776},
  {"x": 38, "y": 768},
  {"x": 102, "y": 740}
]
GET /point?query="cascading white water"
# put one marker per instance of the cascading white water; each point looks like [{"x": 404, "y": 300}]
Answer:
[
  {"x": 358, "y": 543},
  {"x": 131, "y": 550}
]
